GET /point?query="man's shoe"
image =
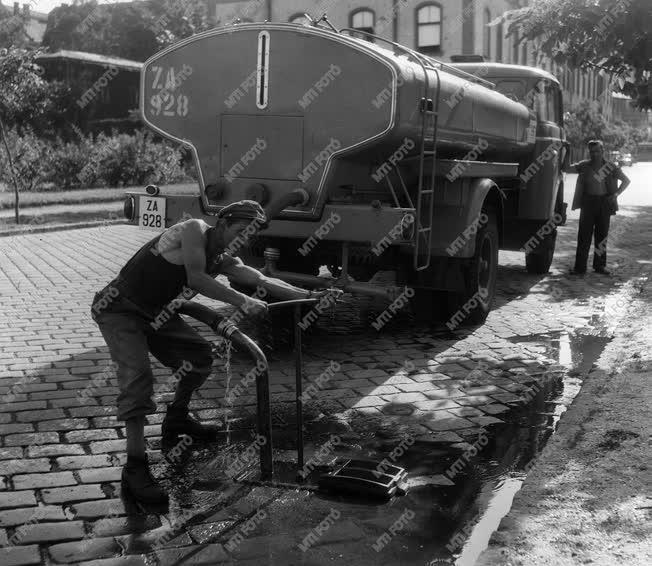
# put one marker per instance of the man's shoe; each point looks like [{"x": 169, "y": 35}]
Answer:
[
  {"x": 602, "y": 271},
  {"x": 179, "y": 422},
  {"x": 139, "y": 484}
]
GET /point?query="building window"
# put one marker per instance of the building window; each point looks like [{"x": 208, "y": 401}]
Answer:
[
  {"x": 429, "y": 29},
  {"x": 364, "y": 21},
  {"x": 486, "y": 35},
  {"x": 515, "y": 48},
  {"x": 299, "y": 19},
  {"x": 499, "y": 42},
  {"x": 524, "y": 53}
]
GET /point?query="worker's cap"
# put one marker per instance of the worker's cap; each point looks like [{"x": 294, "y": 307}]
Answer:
[{"x": 244, "y": 210}]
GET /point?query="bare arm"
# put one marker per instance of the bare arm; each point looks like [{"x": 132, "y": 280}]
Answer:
[
  {"x": 238, "y": 272},
  {"x": 194, "y": 260},
  {"x": 624, "y": 181}
]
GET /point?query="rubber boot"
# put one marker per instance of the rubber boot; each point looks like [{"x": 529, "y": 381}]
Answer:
[
  {"x": 139, "y": 484},
  {"x": 178, "y": 422}
]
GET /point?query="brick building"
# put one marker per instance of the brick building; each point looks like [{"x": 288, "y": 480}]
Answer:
[{"x": 439, "y": 29}]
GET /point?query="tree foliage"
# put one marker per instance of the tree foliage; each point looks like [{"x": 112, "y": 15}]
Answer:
[
  {"x": 12, "y": 29},
  {"x": 586, "y": 122},
  {"x": 134, "y": 30},
  {"x": 26, "y": 99},
  {"x": 614, "y": 36}
]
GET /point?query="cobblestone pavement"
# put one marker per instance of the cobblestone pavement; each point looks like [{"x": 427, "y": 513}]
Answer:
[{"x": 62, "y": 448}]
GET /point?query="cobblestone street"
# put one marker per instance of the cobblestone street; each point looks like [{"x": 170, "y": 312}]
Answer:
[{"x": 62, "y": 449}]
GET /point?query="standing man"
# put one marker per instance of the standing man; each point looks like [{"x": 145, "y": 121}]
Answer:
[
  {"x": 182, "y": 260},
  {"x": 596, "y": 192}
]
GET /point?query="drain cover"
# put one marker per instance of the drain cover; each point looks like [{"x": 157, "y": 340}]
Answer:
[{"x": 364, "y": 477}]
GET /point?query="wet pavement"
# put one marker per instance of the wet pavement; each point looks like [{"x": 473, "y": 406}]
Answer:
[{"x": 465, "y": 412}]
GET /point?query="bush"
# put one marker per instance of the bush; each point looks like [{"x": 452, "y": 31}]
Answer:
[
  {"x": 123, "y": 159},
  {"x": 68, "y": 160},
  {"x": 28, "y": 156}
]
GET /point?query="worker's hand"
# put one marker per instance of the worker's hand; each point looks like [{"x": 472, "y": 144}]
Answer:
[{"x": 254, "y": 307}]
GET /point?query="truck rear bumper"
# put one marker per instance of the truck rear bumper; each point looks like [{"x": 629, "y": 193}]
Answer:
[{"x": 348, "y": 223}]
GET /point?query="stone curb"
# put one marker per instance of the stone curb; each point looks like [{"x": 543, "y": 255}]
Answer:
[{"x": 61, "y": 227}]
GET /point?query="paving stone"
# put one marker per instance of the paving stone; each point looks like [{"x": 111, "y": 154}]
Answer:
[
  {"x": 87, "y": 549},
  {"x": 507, "y": 398},
  {"x": 484, "y": 390},
  {"x": 103, "y": 446},
  {"x": 81, "y": 462},
  {"x": 30, "y": 416},
  {"x": 22, "y": 406},
  {"x": 24, "y": 466},
  {"x": 99, "y": 475},
  {"x": 99, "y": 508},
  {"x": 466, "y": 412},
  {"x": 196, "y": 555},
  {"x": 405, "y": 397},
  {"x": 494, "y": 409},
  {"x": 48, "y": 532},
  {"x": 435, "y": 405},
  {"x": 366, "y": 373},
  {"x": 51, "y": 479},
  {"x": 12, "y": 499},
  {"x": 31, "y": 438},
  {"x": 474, "y": 400},
  {"x": 451, "y": 424},
  {"x": 62, "y": 424},
  {"x": 486, "y": 421},
  {"x": 14, "y": 428},
  {"x": 448, "y": 393},
  {"x": 13, "y": 517},
  {"x": 127, "y": 560},
  {"x": 90, "y": 435},
  {"x": 114, "y": 526},
  {"x": 54, "y": 450},
  {"x": 11, "y": 453},
  {"x": 273, "y": 549},
  {"x": 73, "y": 493},
  {"x": 368, "y": 401},
  {"x": 376, "y": 390},
  {"x": 446, "y": 437},
  {"x": 20, "y": 555}
]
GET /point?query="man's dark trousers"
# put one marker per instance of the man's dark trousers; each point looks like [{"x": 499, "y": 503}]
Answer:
[{"x": 594, "y": 223}]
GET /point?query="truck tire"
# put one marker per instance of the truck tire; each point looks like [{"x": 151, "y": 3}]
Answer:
[
  {"x": 539, "y": 260},
  {"x": 474, "y": 302}
]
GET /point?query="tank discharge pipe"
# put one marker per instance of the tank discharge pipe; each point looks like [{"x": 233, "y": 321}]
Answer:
[
  {"x": 225, "y": 328},
  {"x": 272, "y": 255}
]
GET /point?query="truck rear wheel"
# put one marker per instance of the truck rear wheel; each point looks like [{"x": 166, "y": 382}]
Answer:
[
  {"x": 480, "y": 272},
  {"x": 539, "y": 260}
]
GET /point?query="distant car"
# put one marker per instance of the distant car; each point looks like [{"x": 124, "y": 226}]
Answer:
[{"x": 626, "y": 159}]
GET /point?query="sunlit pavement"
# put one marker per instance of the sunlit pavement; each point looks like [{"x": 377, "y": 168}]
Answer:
[{"x": 488, "y": 396}]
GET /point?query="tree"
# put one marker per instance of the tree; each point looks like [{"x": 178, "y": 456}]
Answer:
[
  {"x": 134, "y": 30},
  {"x": 614, "y": 36},
  {"x": 586, "y": 122},
  {"x": 12, "y": 29}
]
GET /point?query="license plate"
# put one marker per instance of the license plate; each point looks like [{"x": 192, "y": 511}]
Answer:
[{"x": 152, "y": 213}]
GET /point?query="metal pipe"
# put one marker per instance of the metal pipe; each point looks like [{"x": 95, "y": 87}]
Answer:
[
  {"x": 272, "y": 255},
  {"x": 298, "y": 389},
  {"x": 225, "y": 328}
]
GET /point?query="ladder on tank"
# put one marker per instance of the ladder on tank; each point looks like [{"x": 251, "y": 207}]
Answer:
[
  {"x": 424, "y": 208},
  {"x": 426, "y": 192}
]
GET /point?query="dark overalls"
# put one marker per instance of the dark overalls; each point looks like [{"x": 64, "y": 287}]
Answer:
[{"x": 135, "y": 317}]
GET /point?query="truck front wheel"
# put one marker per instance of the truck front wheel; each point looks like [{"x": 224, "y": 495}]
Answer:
[{"x": 539, "y": 260}]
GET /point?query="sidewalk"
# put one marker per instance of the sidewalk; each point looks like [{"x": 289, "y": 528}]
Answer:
[{"x": 588, "y": 499}]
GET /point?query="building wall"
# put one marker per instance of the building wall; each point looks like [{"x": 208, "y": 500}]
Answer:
[{"x": 463, "y": 31}]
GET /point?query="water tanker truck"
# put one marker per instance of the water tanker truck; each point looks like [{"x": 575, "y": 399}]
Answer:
[{"x": 368, "y": 156}]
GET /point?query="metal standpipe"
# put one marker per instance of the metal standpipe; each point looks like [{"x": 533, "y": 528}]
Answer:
[
  {"x": 230, "y": 331},
  {"x": 223, "y": 327}
]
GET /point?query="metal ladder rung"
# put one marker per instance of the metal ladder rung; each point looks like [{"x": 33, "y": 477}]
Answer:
[
  {"x": 422, "y": 230},
  {"x": 427, "y": 192}
]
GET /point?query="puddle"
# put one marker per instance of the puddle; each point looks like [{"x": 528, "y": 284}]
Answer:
[{"x": 456, "y": 507}]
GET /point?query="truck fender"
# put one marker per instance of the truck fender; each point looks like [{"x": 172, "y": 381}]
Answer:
[{"x": 455, "y": 226}]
